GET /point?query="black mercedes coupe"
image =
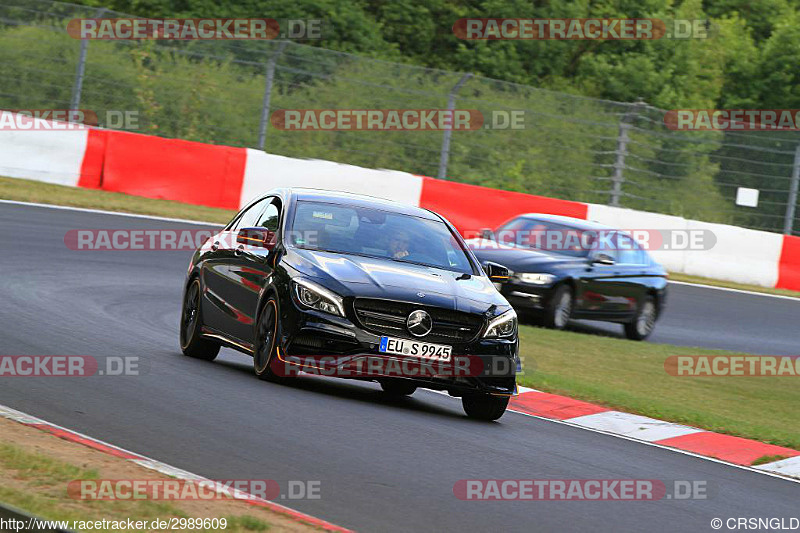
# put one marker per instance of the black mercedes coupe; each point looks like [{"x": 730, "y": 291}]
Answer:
[
  {"x": 357, "y": 287},
  {"x": 562, "y": 268}
]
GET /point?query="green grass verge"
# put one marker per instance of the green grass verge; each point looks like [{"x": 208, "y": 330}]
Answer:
[
  {"x": 629, "y": 376},
  {"x": 41, "y": 490},
  {"x": 764, "y": 459},
  {"x": 46, "y": 193}
]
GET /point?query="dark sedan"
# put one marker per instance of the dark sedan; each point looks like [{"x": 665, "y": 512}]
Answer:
[
  {"x": 357, "y": 287},
  {"x": 562, "y": 268}
]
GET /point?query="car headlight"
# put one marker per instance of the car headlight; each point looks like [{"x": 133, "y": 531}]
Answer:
[
  {"x": 502, "y": 326},
  {"x": 536, "y": 278},
  {"x": 313, "y": 296}
]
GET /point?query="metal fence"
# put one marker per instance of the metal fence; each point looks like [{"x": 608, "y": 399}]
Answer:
[{"x": 570, "y": 147}]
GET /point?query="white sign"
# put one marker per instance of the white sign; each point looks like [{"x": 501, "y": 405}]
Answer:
[{"x": 747, "y": 197}]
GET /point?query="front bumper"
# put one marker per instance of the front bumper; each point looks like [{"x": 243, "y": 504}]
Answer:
[
  {"x": 526, "y": 295},
  {"x": 323, "y": 344}
]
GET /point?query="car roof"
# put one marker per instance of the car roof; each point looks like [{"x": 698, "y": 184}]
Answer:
[
  {"x": 577, "y": 223},
  {"x": 351, "y": 199}
]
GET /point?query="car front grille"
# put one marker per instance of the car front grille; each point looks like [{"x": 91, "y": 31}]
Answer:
[{"x": 386, "y": 317}]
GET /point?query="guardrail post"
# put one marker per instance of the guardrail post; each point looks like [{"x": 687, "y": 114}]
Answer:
[
  {"x": 622, "y": 151},
  {"x": 788, "y": 221},
  {"x": 77, "y": 85},
  {"x": 619, "y": 164},
  {"x": 451, "y": 105},
  {"x": 262, "y": 129}
]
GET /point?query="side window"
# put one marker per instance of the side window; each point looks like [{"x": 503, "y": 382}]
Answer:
[
  {"x": 250, "y": 217},
  {"x": 271, "y": 216},
  {"x": 629, "y": 251},
  {"x": 607, "y": 245},
  {"x": 613, "y": 253}
]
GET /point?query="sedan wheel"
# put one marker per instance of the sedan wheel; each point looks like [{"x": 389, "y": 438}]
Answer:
[
  {"x": 192, "y": 343},
  {"x": 484, "y": 406},
  {"x": 264, "y": 356},
  {"x": 559, "y": 309},
  {"x": 644, "y": 322}
]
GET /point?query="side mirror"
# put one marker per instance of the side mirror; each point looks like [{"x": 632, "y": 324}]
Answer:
[
  {"x": 495, "y": 271},
  {"x": 260, "y": 237},
  {"x": 487, "y": 234},
  {"x": 602, "y": 259}
]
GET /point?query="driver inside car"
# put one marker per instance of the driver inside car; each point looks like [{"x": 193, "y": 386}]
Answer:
[{"x": 398, "y": 244}]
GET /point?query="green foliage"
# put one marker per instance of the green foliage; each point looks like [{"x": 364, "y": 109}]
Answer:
[{"x": 212, "y": 92}]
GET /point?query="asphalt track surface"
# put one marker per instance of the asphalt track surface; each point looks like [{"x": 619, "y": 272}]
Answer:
[{"x": 382, "y": 465}]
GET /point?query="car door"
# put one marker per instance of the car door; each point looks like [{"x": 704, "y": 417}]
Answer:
[
  {"x": 632, "y": 271},
  {"x": 250, "y": 267},
  {"x": 218, "y": 278},
  {"x": 604, "y": 286}
]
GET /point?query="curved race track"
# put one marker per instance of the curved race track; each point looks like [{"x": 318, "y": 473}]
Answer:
[{"x": 382, "y": 466}]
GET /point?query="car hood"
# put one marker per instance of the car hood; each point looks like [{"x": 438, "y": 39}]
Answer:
[
  {"x": 522, "y": 259},
  {"x": 369, "y": 277}
]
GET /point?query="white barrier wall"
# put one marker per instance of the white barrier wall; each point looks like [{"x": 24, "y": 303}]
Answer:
[
  {"x": 51, "y": 156},
  {"x": 267, "y": 171},
  {"x": 740, "y": 255}
]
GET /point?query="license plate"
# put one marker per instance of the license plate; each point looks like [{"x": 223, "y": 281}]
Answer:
[{"x": 424, "y": 350}]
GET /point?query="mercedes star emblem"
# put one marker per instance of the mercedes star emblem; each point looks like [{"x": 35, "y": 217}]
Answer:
[{"x": 419, "y": 323}]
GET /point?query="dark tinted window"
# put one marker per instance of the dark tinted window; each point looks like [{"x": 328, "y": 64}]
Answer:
[
  {"x": 376, "y": 233},
  {"x": 545, "y": 235},
  {"x": 249, "y": 218},
  {"x": 270, "y": 217}
]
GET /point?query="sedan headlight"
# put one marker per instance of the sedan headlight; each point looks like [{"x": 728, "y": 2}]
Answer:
[
  {"x": 313, "y": 296},
  {"x": 503, "y": 326},
  {"x": 537, "y": 279}
]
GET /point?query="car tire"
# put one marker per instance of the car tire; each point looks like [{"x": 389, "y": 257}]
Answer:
[
  {"x": 265, "y": 349},
  {"x": 192, "y": 342},
  {"x": 559, "y": 308},
  {"x": 398, "y": 388},
  {"x": 484, "y": 406},
  {"x": 644, "y": 322}
]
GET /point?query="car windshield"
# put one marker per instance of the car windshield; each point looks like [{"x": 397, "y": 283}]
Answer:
[
  {"x": 375, "y": 233},
  {"x": 547, "y": 236}
]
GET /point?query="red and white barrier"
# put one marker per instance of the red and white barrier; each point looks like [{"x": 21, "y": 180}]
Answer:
[
  {"x": 50, "y": 156},
  {"x": 268, "y": 171},
  {"x": 228, "y": 177}
]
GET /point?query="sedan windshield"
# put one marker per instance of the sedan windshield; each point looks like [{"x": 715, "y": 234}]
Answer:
[
  {"x": 547, "y": 236},
  {"x": 375, "y": 233}
]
